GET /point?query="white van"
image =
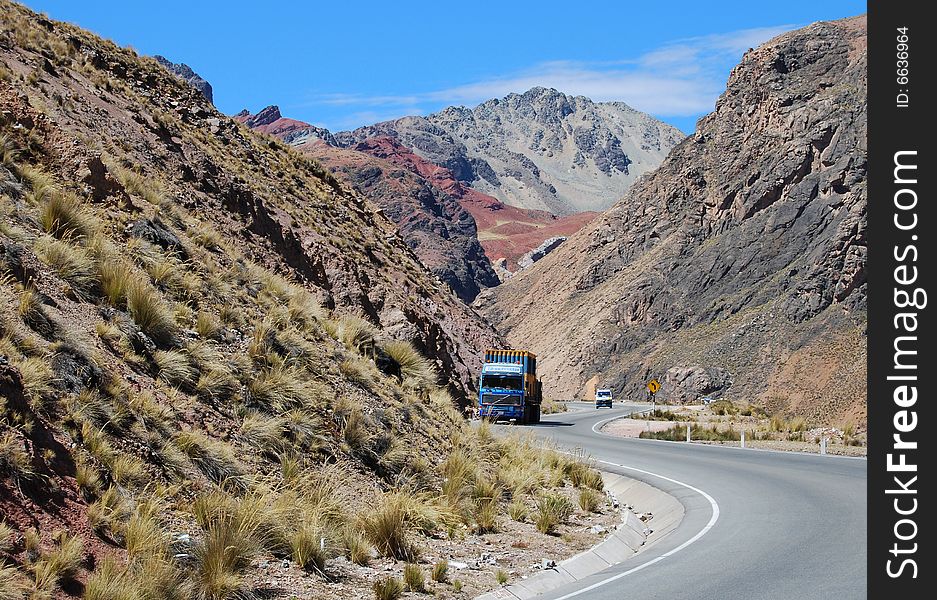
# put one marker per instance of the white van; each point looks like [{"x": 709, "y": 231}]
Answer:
[{"x": 603, "y": 397}]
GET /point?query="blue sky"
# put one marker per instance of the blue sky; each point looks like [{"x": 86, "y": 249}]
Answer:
[{"x": 342, "y": 64}]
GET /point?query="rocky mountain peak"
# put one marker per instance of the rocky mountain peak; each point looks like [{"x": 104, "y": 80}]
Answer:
[
  {"x": 541, "y": 149},
  {"x": 185, "y": 72},
  {"x": 265, "y": 117}
]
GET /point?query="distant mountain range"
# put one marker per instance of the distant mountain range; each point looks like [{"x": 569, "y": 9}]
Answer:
[
  {"x": 542, "y": 149},
  {"x": 523, "y": 169}
]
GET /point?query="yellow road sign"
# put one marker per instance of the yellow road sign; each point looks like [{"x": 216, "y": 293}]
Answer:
[{"x": 653, "y": 385}]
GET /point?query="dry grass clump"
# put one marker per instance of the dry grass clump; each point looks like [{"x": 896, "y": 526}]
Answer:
[
  {"x": 139, "y": 579},
  {"x": 15, "y": 462},
  {"x": 63, "y": 216},
  {"x": 30, "y": 309},
  {"x": 108, "y": 514},
  {"x": 176, "y": 369},
  {"x": 115, "y": 277},
  {"x": 263, "y": 432},
  {"x": 388, "y": 588},
  {"x": 279, "y": 389},
  {"x": 589, "y": 500},
  {"x": 13, "y": 585},
  {"x": 440, "y": 572},
  {"x": 214, "y": 458},
  {"x": 414, "y": 370},
  {"x": 59, "y": 564},
  {"x": 414, "y": 578},
  {"x": 73, "y": 264},
  {"x": 151, "y": 314},
  {"x": 217, "y": 385},
  {"x": 389, "y": 525},
  {"x": 355, "y": 332},
  {"x": 222, "y": 556},
  {"x": 207, "y": 325},
  {"x": 552, "y": 509}
]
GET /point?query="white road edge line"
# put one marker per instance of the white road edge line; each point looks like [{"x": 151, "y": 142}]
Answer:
[
  {"x": 823, "y": 456},
  {"x": 712, "y": 521}
]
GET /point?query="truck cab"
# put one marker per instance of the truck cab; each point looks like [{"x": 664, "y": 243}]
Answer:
[
  {"x": 508, "y": 388},
  {"x": 603, "y": 397}
]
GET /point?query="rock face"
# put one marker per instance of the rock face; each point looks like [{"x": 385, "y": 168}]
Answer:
[
  {"x": 548, "y": 246},
  {"x": 745, "y": 251},
  {"x": 434, "y": 224},
  {"x": 690, "y": 384},
  {"x": 539, "y": 150},
  {"x": 185, "y": 72}
]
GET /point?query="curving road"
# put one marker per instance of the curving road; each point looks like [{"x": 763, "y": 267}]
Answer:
[{"x": 786, "y": 525}]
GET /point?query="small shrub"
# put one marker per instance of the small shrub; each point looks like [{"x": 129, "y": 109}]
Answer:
[
  {"x": 457, "y": 586},
  {"x": 388, "y": 588},
  {"x": 414, "y": 578},
  {"x": 501, "y": 576},
  {"x": 440, "y": 572}
]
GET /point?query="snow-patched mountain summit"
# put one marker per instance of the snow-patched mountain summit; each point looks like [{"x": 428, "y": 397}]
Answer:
[{"x": 542, "y": 149}]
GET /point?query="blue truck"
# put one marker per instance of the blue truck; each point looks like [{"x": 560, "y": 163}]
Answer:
[{"x": 508, "y": 388}]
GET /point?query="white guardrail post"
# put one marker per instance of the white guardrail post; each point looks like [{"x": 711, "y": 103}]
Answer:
[
  {"x": 743, "y": 438},
  {"x": 822, "y": 445},
  {"x": 688, "y": 427}
]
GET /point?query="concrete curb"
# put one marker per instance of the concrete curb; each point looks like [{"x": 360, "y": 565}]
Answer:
[{"x": 632, "y": 536}]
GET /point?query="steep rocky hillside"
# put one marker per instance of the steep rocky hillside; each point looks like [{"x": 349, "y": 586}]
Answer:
[
  {"x": 223, "y": 374},
  {"x": 433, "y": 223},
  {"x": 739, "y": 266},
  {"x": 539, "y": 150}
]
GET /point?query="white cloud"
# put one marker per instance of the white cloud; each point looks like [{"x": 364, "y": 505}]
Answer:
[{"x": 679, "y": 79}]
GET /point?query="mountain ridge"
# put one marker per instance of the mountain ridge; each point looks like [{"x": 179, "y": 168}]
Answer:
[{"x": 541, "y": 149}]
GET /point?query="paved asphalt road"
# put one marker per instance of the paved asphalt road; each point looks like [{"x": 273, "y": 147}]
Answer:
[{"x": 789, "y": 526}]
